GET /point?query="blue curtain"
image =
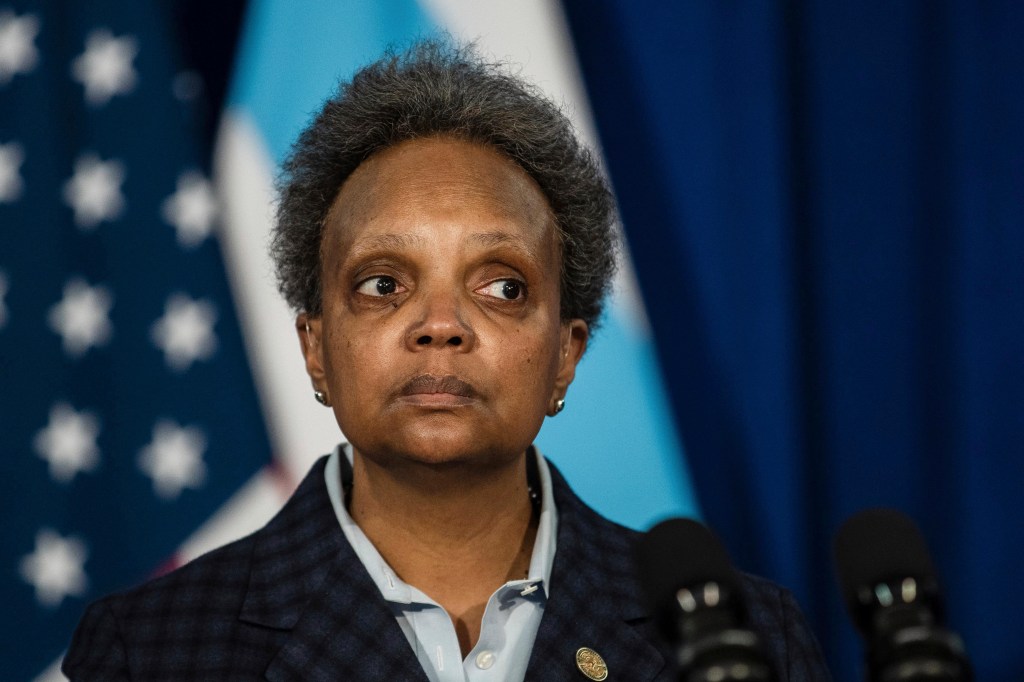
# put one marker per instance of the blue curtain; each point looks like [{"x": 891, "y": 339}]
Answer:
[{"x": 825, "y": 205}]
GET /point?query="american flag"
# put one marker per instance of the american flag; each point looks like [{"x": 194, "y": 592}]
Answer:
[{"x": 128, "y": 413}]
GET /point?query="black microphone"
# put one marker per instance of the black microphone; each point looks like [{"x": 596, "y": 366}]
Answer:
[
  {"x": 693, "y": 592},
  {"x": 892, "y": 594}
]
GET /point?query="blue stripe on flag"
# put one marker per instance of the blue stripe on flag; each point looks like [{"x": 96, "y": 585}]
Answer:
[
  {"x": 614, "y": 441},
  {"x": 291, "y": 61}
]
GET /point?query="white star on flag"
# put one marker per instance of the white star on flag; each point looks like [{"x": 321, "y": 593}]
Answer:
[
  {"x": 3, "y": 293},
  {"x": 82, "y": 317},
  {"x": 174, "y": 459},
  {"x": 11, "y": 185},
  {"x": 105, "y": 68},
  {"x": 185, "y": 332},
  {"x": 18, "y": 52},
  {"x": 55, "y": 568},
  {"x": 191, "y": 209},
  {"x": 68, "y": 442},
  {"x": 94, "y": 191}
]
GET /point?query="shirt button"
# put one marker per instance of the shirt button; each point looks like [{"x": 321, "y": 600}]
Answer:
[{"x": 485, "y": 659}]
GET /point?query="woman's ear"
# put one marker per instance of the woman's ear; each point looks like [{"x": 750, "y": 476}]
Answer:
[
  {"x": 573, "y": 342},
  {"x": 309, "y": 329}
]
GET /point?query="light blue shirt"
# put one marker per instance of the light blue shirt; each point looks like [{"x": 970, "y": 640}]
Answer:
[{"x": 511, "y": 617}]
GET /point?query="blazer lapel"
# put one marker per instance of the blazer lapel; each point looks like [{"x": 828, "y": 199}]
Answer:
[
  {"x": 594, "y": 600},
  {"x": 307, "y": 579},
  {"x": 346, "y": 633}
]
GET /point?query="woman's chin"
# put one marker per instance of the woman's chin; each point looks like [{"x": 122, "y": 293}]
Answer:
[{"x": 442, "y": 449}]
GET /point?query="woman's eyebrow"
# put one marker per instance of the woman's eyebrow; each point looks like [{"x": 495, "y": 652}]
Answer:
[
  {"x": 380, "y": 242},
  {"x": 502, "y": 239}
]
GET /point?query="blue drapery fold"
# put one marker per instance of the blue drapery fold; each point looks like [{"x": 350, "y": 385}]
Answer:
[{"x": 825, "y": 204}]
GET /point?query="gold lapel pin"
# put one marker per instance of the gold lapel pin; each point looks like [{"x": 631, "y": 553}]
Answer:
[{"x": 591, "y": 664}]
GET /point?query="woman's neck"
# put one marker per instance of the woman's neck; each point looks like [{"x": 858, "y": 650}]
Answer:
[{"x": 453, "y": 532}]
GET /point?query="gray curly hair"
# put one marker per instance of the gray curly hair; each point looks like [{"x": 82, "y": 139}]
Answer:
[{"x": 436, "y": 88}]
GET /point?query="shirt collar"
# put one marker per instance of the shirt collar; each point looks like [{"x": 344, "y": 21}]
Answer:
[{"x": 390, "y": 585}]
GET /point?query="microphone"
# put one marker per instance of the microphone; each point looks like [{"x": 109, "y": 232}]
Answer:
[
  {"x": 693, "y": 591},
  {"x": 892, "y": 594}
]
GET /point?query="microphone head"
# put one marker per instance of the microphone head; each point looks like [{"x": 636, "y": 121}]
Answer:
[
  {"x": 680, "y": 553},
  {"x": 892, "y": 594},
  {"x": 877, "y": 546}
]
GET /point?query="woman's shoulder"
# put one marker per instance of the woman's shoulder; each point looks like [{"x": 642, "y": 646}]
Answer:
[
  {"x": 229, "y": 564},
  {"x": 199, "y": 606},
  {"x": 218, "y": 570},
  {"x": 194, "y": 600}
]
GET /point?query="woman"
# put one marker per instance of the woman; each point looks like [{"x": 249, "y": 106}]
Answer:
[{"x": 447, "y": 244}]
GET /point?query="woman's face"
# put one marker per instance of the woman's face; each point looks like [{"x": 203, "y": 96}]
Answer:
[{"x": 440, "y": 339}]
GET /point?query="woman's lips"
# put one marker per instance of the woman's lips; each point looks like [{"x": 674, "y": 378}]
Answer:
[{"x": 429, "y": 390}]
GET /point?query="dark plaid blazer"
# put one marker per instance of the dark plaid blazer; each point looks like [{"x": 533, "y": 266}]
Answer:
[{"x": 293, "y": 602}]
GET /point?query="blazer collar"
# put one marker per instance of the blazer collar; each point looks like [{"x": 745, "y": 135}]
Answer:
[{"x": 292, "y": 555}]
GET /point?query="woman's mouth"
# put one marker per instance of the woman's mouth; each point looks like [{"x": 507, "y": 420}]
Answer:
[{"x": 440, "y": 391}]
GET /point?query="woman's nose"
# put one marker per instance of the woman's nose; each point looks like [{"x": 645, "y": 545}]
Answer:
[{"x": 440, "y": 323}]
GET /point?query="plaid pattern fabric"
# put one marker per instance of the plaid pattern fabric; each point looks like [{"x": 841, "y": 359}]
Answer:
[
  {"x": 597, "y": 602},
  {"x": 293, "y": 602}
]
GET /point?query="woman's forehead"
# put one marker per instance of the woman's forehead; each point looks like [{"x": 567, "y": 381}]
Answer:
[{"x": 427, "y": 183}]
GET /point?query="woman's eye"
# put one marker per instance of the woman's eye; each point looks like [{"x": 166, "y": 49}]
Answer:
[
  {"x": 381, "y": 285},
  {"x": 505, "y": 289}
]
